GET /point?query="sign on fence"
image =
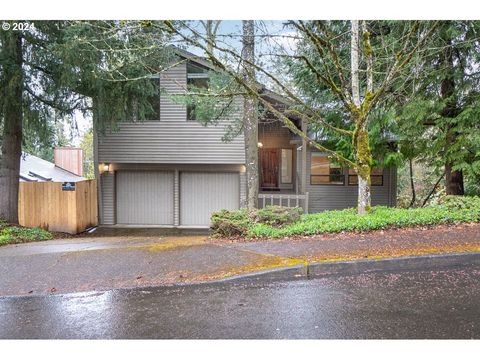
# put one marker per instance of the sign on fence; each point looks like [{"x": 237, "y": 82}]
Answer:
[{"x": 68, "y": 186}]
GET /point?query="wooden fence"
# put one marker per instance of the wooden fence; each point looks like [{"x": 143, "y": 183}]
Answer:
[
  {"x": 50, "y": 206},
  {"x": 289, "y": 200}
]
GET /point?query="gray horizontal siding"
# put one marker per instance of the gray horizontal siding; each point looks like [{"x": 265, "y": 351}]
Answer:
[
  {"x": 329, "y": 197},
  {"x": 170, "y": 143},
  {"x": 175, "y": 141},
  {"x": 108, "y": 198},
  {"x": 172, "y": 82},
  {"x": 172, "y": 139}
]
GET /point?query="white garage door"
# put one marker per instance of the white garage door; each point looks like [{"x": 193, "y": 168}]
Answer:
[
  {"x": 145, "y": 197},
  {"x": 203, "y": 193}
]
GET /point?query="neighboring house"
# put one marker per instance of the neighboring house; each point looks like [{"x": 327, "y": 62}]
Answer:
[
  {"x": 173, "y": 171},
  {"x": 67, "y": 167}
]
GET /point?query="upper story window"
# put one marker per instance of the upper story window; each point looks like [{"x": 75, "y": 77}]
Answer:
[
  {"x": 197, "y": 77},
  {"x": 154, "y": 100},
  {"x": 376, "y": 177},
  {"x": 325, "y": 171}
]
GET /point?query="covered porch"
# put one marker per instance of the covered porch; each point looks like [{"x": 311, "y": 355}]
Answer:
[{"x": 282, "y": 165}]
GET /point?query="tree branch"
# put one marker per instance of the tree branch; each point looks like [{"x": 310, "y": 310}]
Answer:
[
  {"x": 292, "y": 96},
  {"x": 53, "y": 104},
  {"x": 402, "y": 59},
  {"x": 253, "y": 92}
]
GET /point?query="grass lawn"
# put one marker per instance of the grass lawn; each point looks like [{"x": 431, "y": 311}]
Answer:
[
  {"x": 449, "y": 211},
  {"x": 10, "y": 234}
]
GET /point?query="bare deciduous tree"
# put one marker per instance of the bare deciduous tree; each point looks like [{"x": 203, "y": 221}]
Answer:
[
  {"x": 327, "y": 67},
  {"x": 250, "y": 118}
]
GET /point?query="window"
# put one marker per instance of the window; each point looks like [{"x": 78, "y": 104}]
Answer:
[
  {"x": 324, "y": 171},
  {"x": 154, "y": 101},
  {"x": 287, "y": 158},
  {"x": 197, "y": 77},
  {"x": 376, "y": 177}
]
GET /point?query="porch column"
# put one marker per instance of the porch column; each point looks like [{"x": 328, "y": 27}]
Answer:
[{"x": 303, "y": 187}]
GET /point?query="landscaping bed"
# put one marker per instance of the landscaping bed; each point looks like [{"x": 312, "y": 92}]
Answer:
[
  {"x": 248, "y": 224},
  {"x": 12, "y": 234}
]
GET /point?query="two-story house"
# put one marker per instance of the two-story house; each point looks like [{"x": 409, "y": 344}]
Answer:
[{"x": 173, "y": 171}]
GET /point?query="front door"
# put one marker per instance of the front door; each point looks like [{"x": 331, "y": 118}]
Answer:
[{"x": 269, "y": 159}]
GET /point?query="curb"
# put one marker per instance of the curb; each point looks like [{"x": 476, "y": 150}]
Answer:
[
  {"x": 404, "y": 263},
  {"x": 311, "y": 271},
  {"x": 351, "y": 267},
  {"x": 277, "y": 274}
]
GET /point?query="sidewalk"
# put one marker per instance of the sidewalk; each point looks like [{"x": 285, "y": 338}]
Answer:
[{"x": 128, "y": 260}]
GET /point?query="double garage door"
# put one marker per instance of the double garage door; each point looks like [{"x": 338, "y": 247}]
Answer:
[{"x": 148, "y": 197}]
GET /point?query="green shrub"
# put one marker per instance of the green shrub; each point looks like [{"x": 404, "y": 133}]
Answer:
[
  {"x": 380, "y": 217},
  {"x": 273, "y": 222},
  {"x": 16, "y": 235},
  {"x": 230, "y": 223},
  {"x": 278, "y": 215},
  {"x": 238, "y": 222},
  {"x": 459, "y": 202}
]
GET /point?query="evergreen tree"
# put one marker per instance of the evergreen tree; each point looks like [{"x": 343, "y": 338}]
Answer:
[
  {"x": 438, "y": 108},
  {"x": 88, "y": 162},
  {"x": 101, "y": 67}
]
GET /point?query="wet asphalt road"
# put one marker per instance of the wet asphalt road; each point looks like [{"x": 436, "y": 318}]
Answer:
[{"x": 440, "y": 302}]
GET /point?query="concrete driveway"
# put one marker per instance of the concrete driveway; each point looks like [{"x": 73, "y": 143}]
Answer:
[
  {"x": 131, "y": 258},
  {"x": 122, "y": 259}
]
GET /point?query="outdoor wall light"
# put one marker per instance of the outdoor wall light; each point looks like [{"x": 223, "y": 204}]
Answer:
[
  {"x": 106, "y": 167},
  {"x": 260, "y": 145}
]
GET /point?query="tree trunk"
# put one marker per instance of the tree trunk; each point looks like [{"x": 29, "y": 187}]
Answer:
[
  {"x": 211, "y": 28},
  {"x": 250, "y": 120},
  {"x": 354, "y": 50},
  {"x": 12, "y": 88},
  {"x": 412, "y": 184},
  {"x": 367, "y": 50},
  {"x": 360, "y": 137},
  {"x": 453, "y": 178},
  {"x": 364, "y": 160},
  {"x": 454, "y": 181}
]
